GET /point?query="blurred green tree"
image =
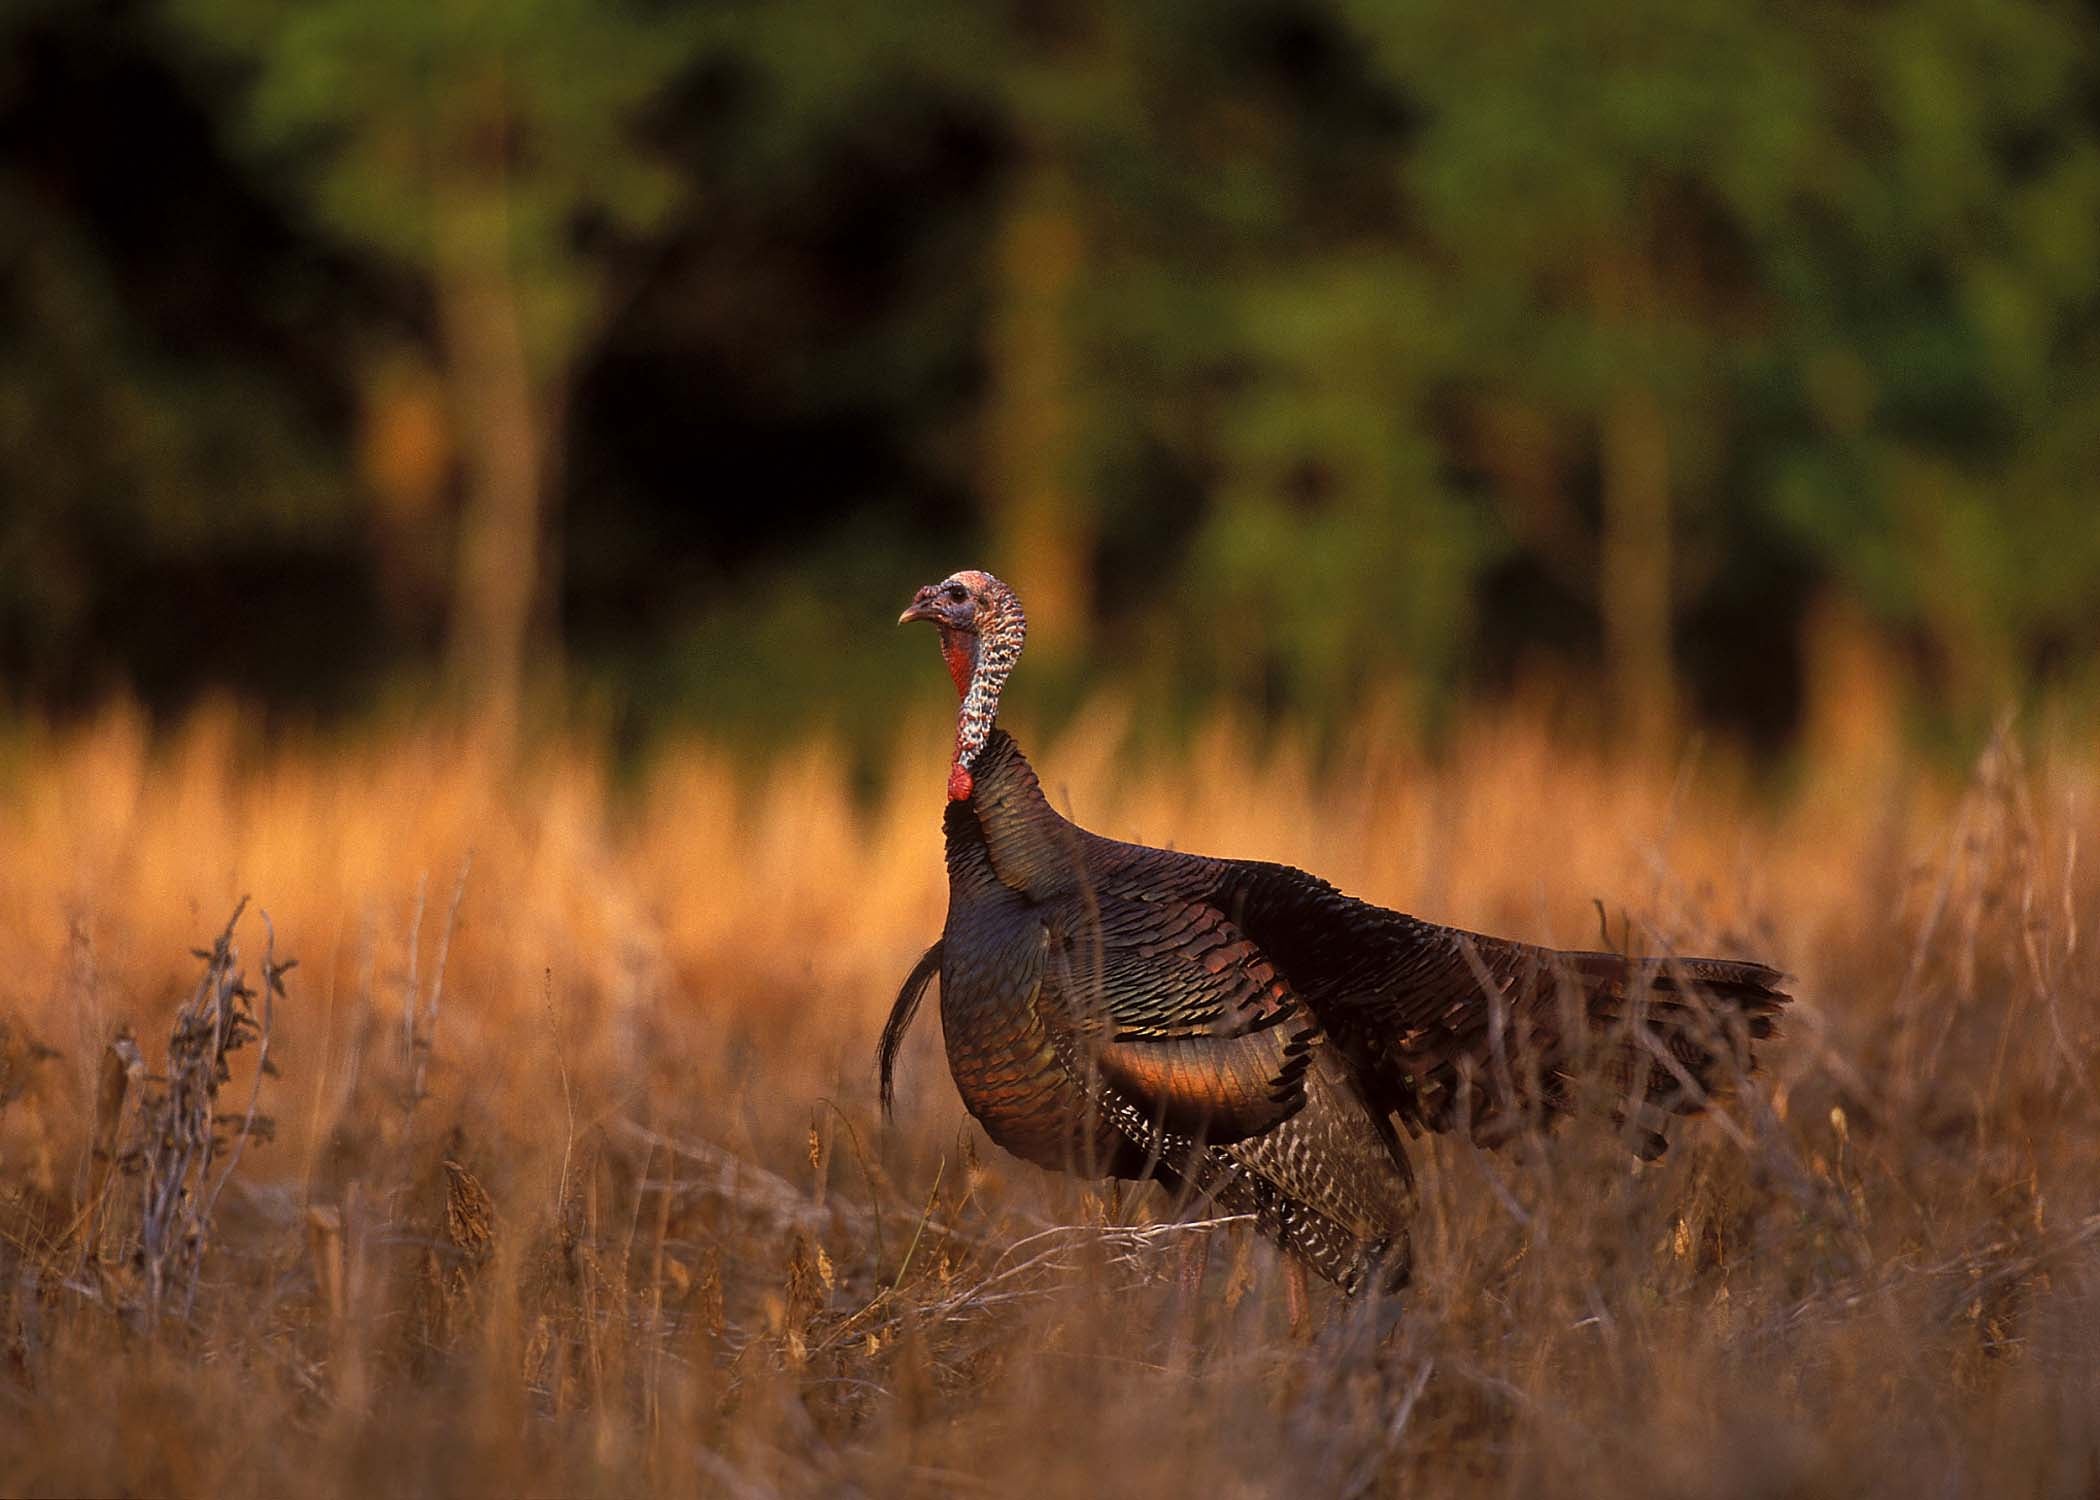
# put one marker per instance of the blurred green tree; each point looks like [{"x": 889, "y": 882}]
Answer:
[
  {"x": 1057, "y": 89},
  {"x": 489, "y": 149},
  {"x": 1534, "y": 355},
  {"x": 1300, "y": 346},
  {"x": 168, "y": 440},
  {"x": 123, "y": 463},
  {"x": 1654, "y": 266},
  {"x": 1928, "y": 392}
]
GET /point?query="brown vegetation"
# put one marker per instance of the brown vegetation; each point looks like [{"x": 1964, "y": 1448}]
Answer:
[{"x": 577, "y": 1182}]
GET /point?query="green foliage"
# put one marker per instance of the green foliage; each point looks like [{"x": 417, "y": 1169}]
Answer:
[
  {"x": 492, "y": 128},
  {"x": 122, "y": 451},
  {"x": 1362, "y": 295}
]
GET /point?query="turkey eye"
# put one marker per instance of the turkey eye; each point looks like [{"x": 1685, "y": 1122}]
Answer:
[{"x": 954, "y": 593}]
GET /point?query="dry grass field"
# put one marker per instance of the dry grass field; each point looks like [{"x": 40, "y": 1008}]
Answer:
[{"x": 574, "y": 1182}]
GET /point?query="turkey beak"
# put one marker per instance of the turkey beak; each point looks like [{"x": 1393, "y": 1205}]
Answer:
[{"x": 921, "y": 609}]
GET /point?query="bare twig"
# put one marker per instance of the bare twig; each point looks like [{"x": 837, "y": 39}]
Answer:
[
  {"x": 273, "y": 986},
  {"x": 179, "y": 1129}
]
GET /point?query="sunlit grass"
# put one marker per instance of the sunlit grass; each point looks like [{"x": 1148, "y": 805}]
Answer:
[{"x": 676, "y": 1248}]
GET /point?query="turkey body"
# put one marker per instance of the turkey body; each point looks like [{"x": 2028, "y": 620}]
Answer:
[{"x": 1256, "y": 1041}]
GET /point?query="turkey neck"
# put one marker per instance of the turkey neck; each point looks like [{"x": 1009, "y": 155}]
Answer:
[
  {"x": 980, "y": 661},
  {"x": 1007, "y": 831}
]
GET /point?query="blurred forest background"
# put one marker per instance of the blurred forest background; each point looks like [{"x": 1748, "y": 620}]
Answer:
[
  {"x": 460, "y": 465},
  {"x": 1712, "y": 363}
]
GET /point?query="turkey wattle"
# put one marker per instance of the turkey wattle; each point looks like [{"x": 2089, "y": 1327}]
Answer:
[{"x": 1245, "y": 1033}]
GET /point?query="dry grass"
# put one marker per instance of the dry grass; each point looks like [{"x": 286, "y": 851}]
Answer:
[{"x": 577, "y": 1183}]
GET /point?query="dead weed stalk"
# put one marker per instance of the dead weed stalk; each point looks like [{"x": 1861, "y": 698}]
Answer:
[{"x": 183, "y": 1148}]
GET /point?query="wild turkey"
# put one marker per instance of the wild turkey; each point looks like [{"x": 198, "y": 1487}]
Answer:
[{"x": 1245, "y": 1033}]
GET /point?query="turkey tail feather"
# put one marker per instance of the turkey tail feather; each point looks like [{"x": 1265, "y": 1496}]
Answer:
[
  {"x": 901, "y": 1016},
  {"x": 1669, "y": 1036}
]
